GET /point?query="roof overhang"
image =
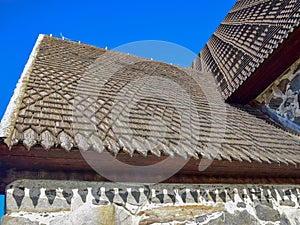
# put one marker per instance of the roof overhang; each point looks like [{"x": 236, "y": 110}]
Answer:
[
  {"x": 274, "y": 66},
  {"x": 19, "y": 163}
]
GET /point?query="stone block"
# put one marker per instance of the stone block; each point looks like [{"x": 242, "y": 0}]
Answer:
[
  {"x": 267, "y": 213},
  {"x": 8, "y": 220}
]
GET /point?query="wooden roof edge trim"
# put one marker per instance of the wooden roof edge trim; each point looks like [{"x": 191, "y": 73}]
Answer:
[
  {"x": 19, "y": 163},
  {"x": 54, "y": 160},
  {"x": 273, "y": 67},
  {"x": 11, "y": 113}
]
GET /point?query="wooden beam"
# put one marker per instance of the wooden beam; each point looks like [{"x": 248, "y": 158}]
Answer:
[{"x": 19, "y": 163}]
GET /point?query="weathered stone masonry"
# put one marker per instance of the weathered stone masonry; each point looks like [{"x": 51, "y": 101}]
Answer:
[
  {"x": 67, "y": 202},
  {"x": 282, "y": 98}
]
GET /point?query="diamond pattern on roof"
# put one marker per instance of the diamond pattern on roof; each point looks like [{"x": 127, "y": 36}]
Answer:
[{"x": 139, "y": 106}]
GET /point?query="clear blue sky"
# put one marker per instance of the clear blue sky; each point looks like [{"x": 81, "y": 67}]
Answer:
[{"x": 188, "y": 23}]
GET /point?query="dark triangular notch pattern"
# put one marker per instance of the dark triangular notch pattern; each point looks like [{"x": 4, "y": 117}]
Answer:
[
  {"x": 18, "y": 195},
  {"x": 83, "y": 193},
  {"x": 68, "y": 194},
  {"x": 34, "y": 194},
  {"x": 50, "y": 194}
]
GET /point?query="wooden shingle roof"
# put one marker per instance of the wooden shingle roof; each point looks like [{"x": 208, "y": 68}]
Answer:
[
  {"x": 258, "y": 40},
  {"x": 58, "y": 89}
]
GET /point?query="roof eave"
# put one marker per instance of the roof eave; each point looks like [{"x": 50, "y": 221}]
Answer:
[
  {"x": 19, "y": 163},
  {"x": 274, "y": 66}
]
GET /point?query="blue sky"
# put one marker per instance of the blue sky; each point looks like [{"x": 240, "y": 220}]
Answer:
[{"x": 110, "y": 23}]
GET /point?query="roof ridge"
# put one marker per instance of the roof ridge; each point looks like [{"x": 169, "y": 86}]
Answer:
[{"x": 108, "y": 50}]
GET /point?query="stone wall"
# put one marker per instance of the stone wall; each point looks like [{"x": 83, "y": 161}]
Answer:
[
  {"x": 283, "y": 97},
  {"x": 64, "y": 203}
]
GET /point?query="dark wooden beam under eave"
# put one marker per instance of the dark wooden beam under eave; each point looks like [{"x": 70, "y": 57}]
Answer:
[
  {"x": 277, "y": 63},
  {"x": 57, "y": 164}
]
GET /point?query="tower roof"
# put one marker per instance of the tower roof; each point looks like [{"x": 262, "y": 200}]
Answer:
[{"x": 255, "y": 43}]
